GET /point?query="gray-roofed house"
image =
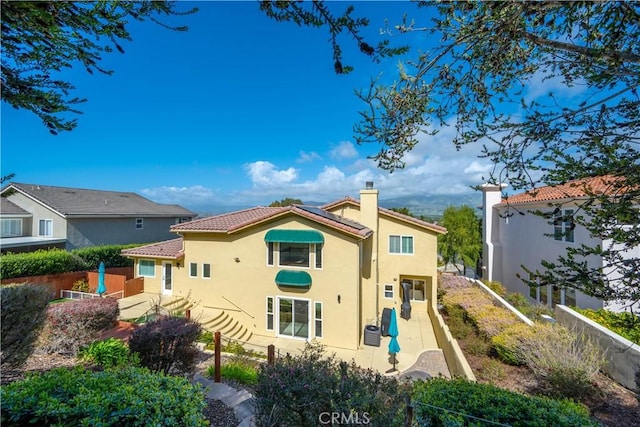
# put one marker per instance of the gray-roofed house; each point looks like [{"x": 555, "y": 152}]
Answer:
[{"x": 40, "y": 216}]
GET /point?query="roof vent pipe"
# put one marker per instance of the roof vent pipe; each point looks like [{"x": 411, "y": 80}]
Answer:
[{"x": 369, "y": 185}]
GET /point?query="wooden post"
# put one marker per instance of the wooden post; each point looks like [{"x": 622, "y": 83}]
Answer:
[
  {"x": 271, "y": 354},
  {"x": 187, "y": 314},
  {"x": 409, "y": 414},
  {"x": 217, "y": 357}
]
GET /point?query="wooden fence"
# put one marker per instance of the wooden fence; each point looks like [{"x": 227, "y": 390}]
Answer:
[{"x": 118, "y": 279}]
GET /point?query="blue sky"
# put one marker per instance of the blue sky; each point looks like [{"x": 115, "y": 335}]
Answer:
[{"x": 239, "y": 110}]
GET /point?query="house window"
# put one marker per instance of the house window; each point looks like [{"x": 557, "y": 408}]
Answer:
[
  {"x": 11, "y": 227},
  {"x": 318, "y": 255},
  {"x": 181, "y": 220},
  {"x": 269, "y": 313},
  {"x": 147, "y": 268},
  {"x": 45, "y": 227},
  {"x": 563, "y": 225},
  {"x": 206, "y": 271},
  {"x": 139, "y": 223},
  {"x": 318, "y": 319},
  {"x": 270, "y": 250},
  {"x": 294, "y": 254},
  {"x": 400, "y": 244},
  {"x": 193, "y": 269},
  {"x": 388, "y": 291}
]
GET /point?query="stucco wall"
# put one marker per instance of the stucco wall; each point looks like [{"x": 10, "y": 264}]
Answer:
[
  {"x": 39, "y": 212},
  {"x": 623, "y": 357},
  {"x": 520, "y": 240},
  {"x": 457, "y": 363}
]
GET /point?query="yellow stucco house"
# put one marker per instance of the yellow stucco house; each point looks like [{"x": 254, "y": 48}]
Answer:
[{"x": 299, "y": 272}]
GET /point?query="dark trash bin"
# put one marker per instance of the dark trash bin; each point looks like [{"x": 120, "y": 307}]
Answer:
[
  {"x": 384, "y": 322},
  {"x": 372, "y": 335},
  {"x": 405, "y": 310}
]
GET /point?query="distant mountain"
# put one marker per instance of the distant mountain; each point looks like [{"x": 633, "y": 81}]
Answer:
[{"x": 429, "y": 206}]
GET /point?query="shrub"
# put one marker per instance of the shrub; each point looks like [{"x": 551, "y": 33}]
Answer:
[
  {"x": 130, "y": 396},
  {"x": 109, "y": 254},
  {"x": 478, "y": 346},
  {"x": 167, "y": 344},
  {"x": 517, "y": 300},
  {"x": 563, "y": 361},
  {"x": 241, "y": 369},
  {"x": 234, "y": 347},
  {"x": 24, "y": 310},
  {"x": 456, "y": 321},
  {"x": 110, "y": 353},
  {"x": 508, "y": 344},
  {"x": 442, "y": 402},
  {"x": 80, "y": 286},
  {"x": 492, "y": 320},
  {"x": 496, "y": 287},
  {"x": 625, "y": 324},
  {"x": 40, "y": 262},
  {"x": 296, "y": 390},
  {"x": 75, "y": 324}
]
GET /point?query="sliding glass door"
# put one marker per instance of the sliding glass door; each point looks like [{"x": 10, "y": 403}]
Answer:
[{"x": 293, "y": 318}]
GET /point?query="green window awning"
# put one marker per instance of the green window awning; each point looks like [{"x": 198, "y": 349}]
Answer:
[
  {"x": 294, "y": 236},
  {"x": 298, "y": 279}
]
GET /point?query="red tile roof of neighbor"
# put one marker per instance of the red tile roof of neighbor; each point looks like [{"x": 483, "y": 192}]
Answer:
[
  {"x": 575, "y": 189},
  {"x": 389, "y": 212},
  {"x": 171, "y": 249}
]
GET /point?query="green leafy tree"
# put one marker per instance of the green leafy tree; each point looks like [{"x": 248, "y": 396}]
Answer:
[
  {"x": 285, "y": 202},
  {"x": 41, "y": 38},
  {"x": 475, "y": 70},
  {"x": 463, "y": 242},
  {"x": 403, "y": 210}
]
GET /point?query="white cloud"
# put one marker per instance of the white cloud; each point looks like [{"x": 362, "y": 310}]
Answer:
[
  {"x": 265, "y": 174},
  {"x": 343, "y": 151},
  {"x": 308, "y": 157}
]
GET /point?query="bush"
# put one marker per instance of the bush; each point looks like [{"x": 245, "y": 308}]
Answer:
[
  {"x": 80, "y": 286},
  {"x": 110, "y": 353},
  {"x": 131, "y": 397},
  {"x": 52, "y": 261},
  {"x": 24, "y": 311},
  {"x": 564, "y": 362},
  {"x": 109, "y": 254},
  {"x": 508, "y": 344},
  {"x": 456, "y": 322},
  {"x": 441, "y": 402},
  {"x": 73, "y": 325},
  {"x": 517, "y": 300},
  {"x": 241, "y": 369},
  {"x": 167, "y": 344},
  {"x": 625, "y": 324},
  {"x": 496, "y": 287},
  {"x": 492, "y": 320},
  {"x": 296, "y": 390}
]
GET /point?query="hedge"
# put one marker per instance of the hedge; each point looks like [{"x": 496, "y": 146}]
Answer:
[
  {"x": 55, "y": 261},
  {"x": 131, "y": 397},
  {"x": 625, "y": 324},
  {"x": 453, "y": 403}
]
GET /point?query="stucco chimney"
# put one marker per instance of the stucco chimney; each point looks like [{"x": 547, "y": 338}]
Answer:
[
  {"x": 491, "y": 196},
  {"x": 369, "y": 206}
]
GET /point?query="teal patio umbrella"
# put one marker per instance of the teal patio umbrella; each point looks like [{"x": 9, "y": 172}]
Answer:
[
  {"x": 102, "y": 288},
  {"x": 394, "y": 347}
]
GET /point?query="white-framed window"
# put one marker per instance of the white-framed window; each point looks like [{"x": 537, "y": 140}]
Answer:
[
  {"x": 317, "y": 318},
  {"x": 388, "y": 291},
  {"x": 318, "y": 250},
  {"x": 45, "y": 227},
  {"x": 401, "y": 244},
  {"x": 139, "y": 223},
  {"x": 270, "y": 252},
  {"x": 293, "y": 318},
  {"x": 563, "y": 225},
  {"x": 206, "y": 271},
  {"x": 11, "y": 227},
  {"x": 193, "y": 269},
  {"x": 269, "y": 313},
  {"x": 417, "y": 289},
  {"x": 293, "y": 254},
  {"x": 147, "y": 268}
]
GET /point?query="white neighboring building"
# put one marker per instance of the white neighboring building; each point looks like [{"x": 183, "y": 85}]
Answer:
[{"x": 513, "y": 236}]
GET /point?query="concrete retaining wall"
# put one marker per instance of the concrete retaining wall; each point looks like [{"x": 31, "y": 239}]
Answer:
[
  {"x": 457, "y": 363},
  {"x": 622, "y": 356}
]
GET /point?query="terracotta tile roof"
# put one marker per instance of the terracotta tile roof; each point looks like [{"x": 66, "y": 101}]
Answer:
[
  {"x": 234, "y": 221},
  {"x": 168, "y": 249},
  {"x": 575, "y": 189},
  {"x": 389, "y": 212}
]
